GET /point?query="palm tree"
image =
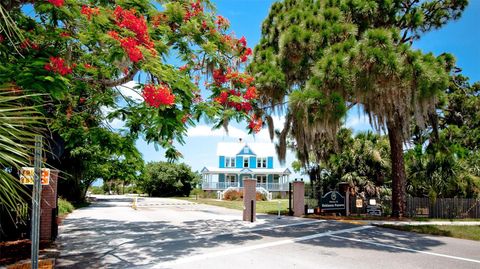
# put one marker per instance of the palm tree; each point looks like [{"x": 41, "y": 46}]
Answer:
[{"x": 18, "y": 126}]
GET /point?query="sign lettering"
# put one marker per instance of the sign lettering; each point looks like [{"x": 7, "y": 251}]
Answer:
[{"x": 333, "y": 201}]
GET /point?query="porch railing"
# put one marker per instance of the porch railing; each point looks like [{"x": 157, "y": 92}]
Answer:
[{"x": 225, "y": 185}]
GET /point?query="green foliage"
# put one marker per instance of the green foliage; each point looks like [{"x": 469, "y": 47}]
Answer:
[
  {"x": 96, "y": 190},
  {"x": 82, "y": 94},
  {"x": 167, "y": 179},
  {"x": 334, "y": 54},
  {"x": 19, "y": 124},
  {"x": 457, "y": 231},
  {"x": 362, "y": 161},
  {"x": 445, "y": 161},
  {"x": 64, "y": 207}
]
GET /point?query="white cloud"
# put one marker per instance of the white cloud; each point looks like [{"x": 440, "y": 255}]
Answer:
[
  {"x": 236, "y": 132},
  {"x": 207, "y": 131},
  {"x": 128, "y": 90}
]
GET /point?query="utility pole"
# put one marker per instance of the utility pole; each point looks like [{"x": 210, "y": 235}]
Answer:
[{"x": 36, "y": 199}]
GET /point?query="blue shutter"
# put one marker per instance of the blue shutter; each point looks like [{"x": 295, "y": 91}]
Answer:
[
  {"x": 270, "y": 162},
  {"x": 239, "y": 162},
  {"x": 221, "y": 162},
  {"x": 253, "y": 162},
  {"x": 221, "y": 177},
  {"x": 269, "y": 179}
]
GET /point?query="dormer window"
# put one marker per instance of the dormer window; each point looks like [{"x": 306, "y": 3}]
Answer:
[
  {"x": 261, "y": 162},
  {"x": 229, "y": 161},
  {"x": 245, "y": 162}
]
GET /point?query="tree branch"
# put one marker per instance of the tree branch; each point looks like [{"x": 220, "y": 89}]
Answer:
[{"x": 113, "y": 82}]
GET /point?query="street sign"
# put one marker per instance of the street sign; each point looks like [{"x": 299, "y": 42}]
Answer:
[
  {"x": 27, "y": 175},
  {"x": 333, "y": 201}
]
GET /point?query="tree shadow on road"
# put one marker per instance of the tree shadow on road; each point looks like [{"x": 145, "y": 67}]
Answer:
[
  {"x": 94, "y": 243},
  {"x": 100, "y": 243}
]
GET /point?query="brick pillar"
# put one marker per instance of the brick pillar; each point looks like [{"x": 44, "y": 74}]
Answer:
[
  {"x": 249, "y": 195},
  {"x": 298, "y": 198},
  {"x": 49, "y": 202}
]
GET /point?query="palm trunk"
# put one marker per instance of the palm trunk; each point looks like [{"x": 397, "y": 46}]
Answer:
[{"x": 398, "y": 169}]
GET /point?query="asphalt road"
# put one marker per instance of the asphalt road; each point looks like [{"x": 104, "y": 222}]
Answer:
[{"x": 167, "y": 233}]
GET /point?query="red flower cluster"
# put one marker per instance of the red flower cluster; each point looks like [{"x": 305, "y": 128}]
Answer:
[
  {"x": 128, "y": 20},
  {"x": 244, "y": 52},
  {"x": 158, "y": 19},
  {"x": 255, "y": 124},
  {"x": 130, "y": 45},
  {"x": 194, "y": 10},
  {"x": 251, "y": 93},
  {"x": 222, "y": 23},
  {"x": 185, "y": 118},
  {"x": 57, "y": 3},
  {"x": 26, "y": 43},
  {"x": 65, "y": 34},
  {"x": 157, "y": 96},
  {"x": 223, "y": 99},
  {"x": 89, "y": 11},
  {"x": 219, "y": 77},
  {"x": 57, "y": 65}
]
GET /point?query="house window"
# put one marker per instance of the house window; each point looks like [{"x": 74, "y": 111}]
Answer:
[
  {"x": 231, "y": 179},
  {"x": 261, "y": 179},
  {"x": 245, "y": 150},
  {"x": 245, "y": 161},
  {"x": 276, "y": 179},
  {"x": 229, "y": 161},
  {"x": 261, "y": 162}
]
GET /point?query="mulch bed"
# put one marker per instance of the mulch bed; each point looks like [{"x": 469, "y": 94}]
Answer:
[{"x": 14, "y": 251}]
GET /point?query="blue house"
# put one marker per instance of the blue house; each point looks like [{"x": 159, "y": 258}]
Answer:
[{"x": 239, "y": 161}]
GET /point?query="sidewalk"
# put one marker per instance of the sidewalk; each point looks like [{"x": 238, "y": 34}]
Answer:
[{"x": 402, "y": 223}]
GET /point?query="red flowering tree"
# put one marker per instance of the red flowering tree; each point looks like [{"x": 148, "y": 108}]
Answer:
[{"x": 78, "y": 53}]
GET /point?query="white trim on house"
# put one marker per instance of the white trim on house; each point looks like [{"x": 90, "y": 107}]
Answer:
[
  {"x": 258, "y": 149},
  {"x": 216, "y": 170}
]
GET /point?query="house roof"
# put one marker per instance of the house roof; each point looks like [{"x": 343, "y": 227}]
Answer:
[
  {"x": 232, "y": 149},
  {"x": 256, "y": 171}
]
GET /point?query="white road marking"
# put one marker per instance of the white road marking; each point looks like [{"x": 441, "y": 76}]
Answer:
[
  {"x": 255, "y": 247},
  {"x": 406, "y": 249}
]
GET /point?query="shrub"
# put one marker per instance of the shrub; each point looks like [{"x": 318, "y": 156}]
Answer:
[
  {"x": 64, "y": 207},
  {"x": 260, "y": 196},
  {"x": 197, "y": 191},
  {"x": 96, "y": 190},
  {"x": 236, "y": 195},
  {"x": 233, "y": 195}
]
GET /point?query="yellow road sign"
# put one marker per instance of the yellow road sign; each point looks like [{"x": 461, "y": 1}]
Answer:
[{"x": 27, "y": 174}]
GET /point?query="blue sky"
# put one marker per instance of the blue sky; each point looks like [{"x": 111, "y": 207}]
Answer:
[{"x": 461, "y": 38}]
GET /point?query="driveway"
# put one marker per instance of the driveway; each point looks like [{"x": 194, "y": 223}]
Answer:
[{"x": 169, "y": 233}]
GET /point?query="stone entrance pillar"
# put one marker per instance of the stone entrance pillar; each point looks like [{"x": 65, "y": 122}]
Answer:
[
  {"x": 249, "y": 199},
  {"x": 48, "y": 208},
  {"x": 298, "y": 198}
]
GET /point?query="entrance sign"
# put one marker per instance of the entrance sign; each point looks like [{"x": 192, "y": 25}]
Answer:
[
  {"x": 333, "y": 201},
  {"x": 27, "y": 175},
  {"x": 359, "y": 203}
]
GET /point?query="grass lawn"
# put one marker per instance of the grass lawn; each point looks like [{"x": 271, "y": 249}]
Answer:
[
  {"x": 269, "y": 207},
  {"x": 457, "y": 231}
]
